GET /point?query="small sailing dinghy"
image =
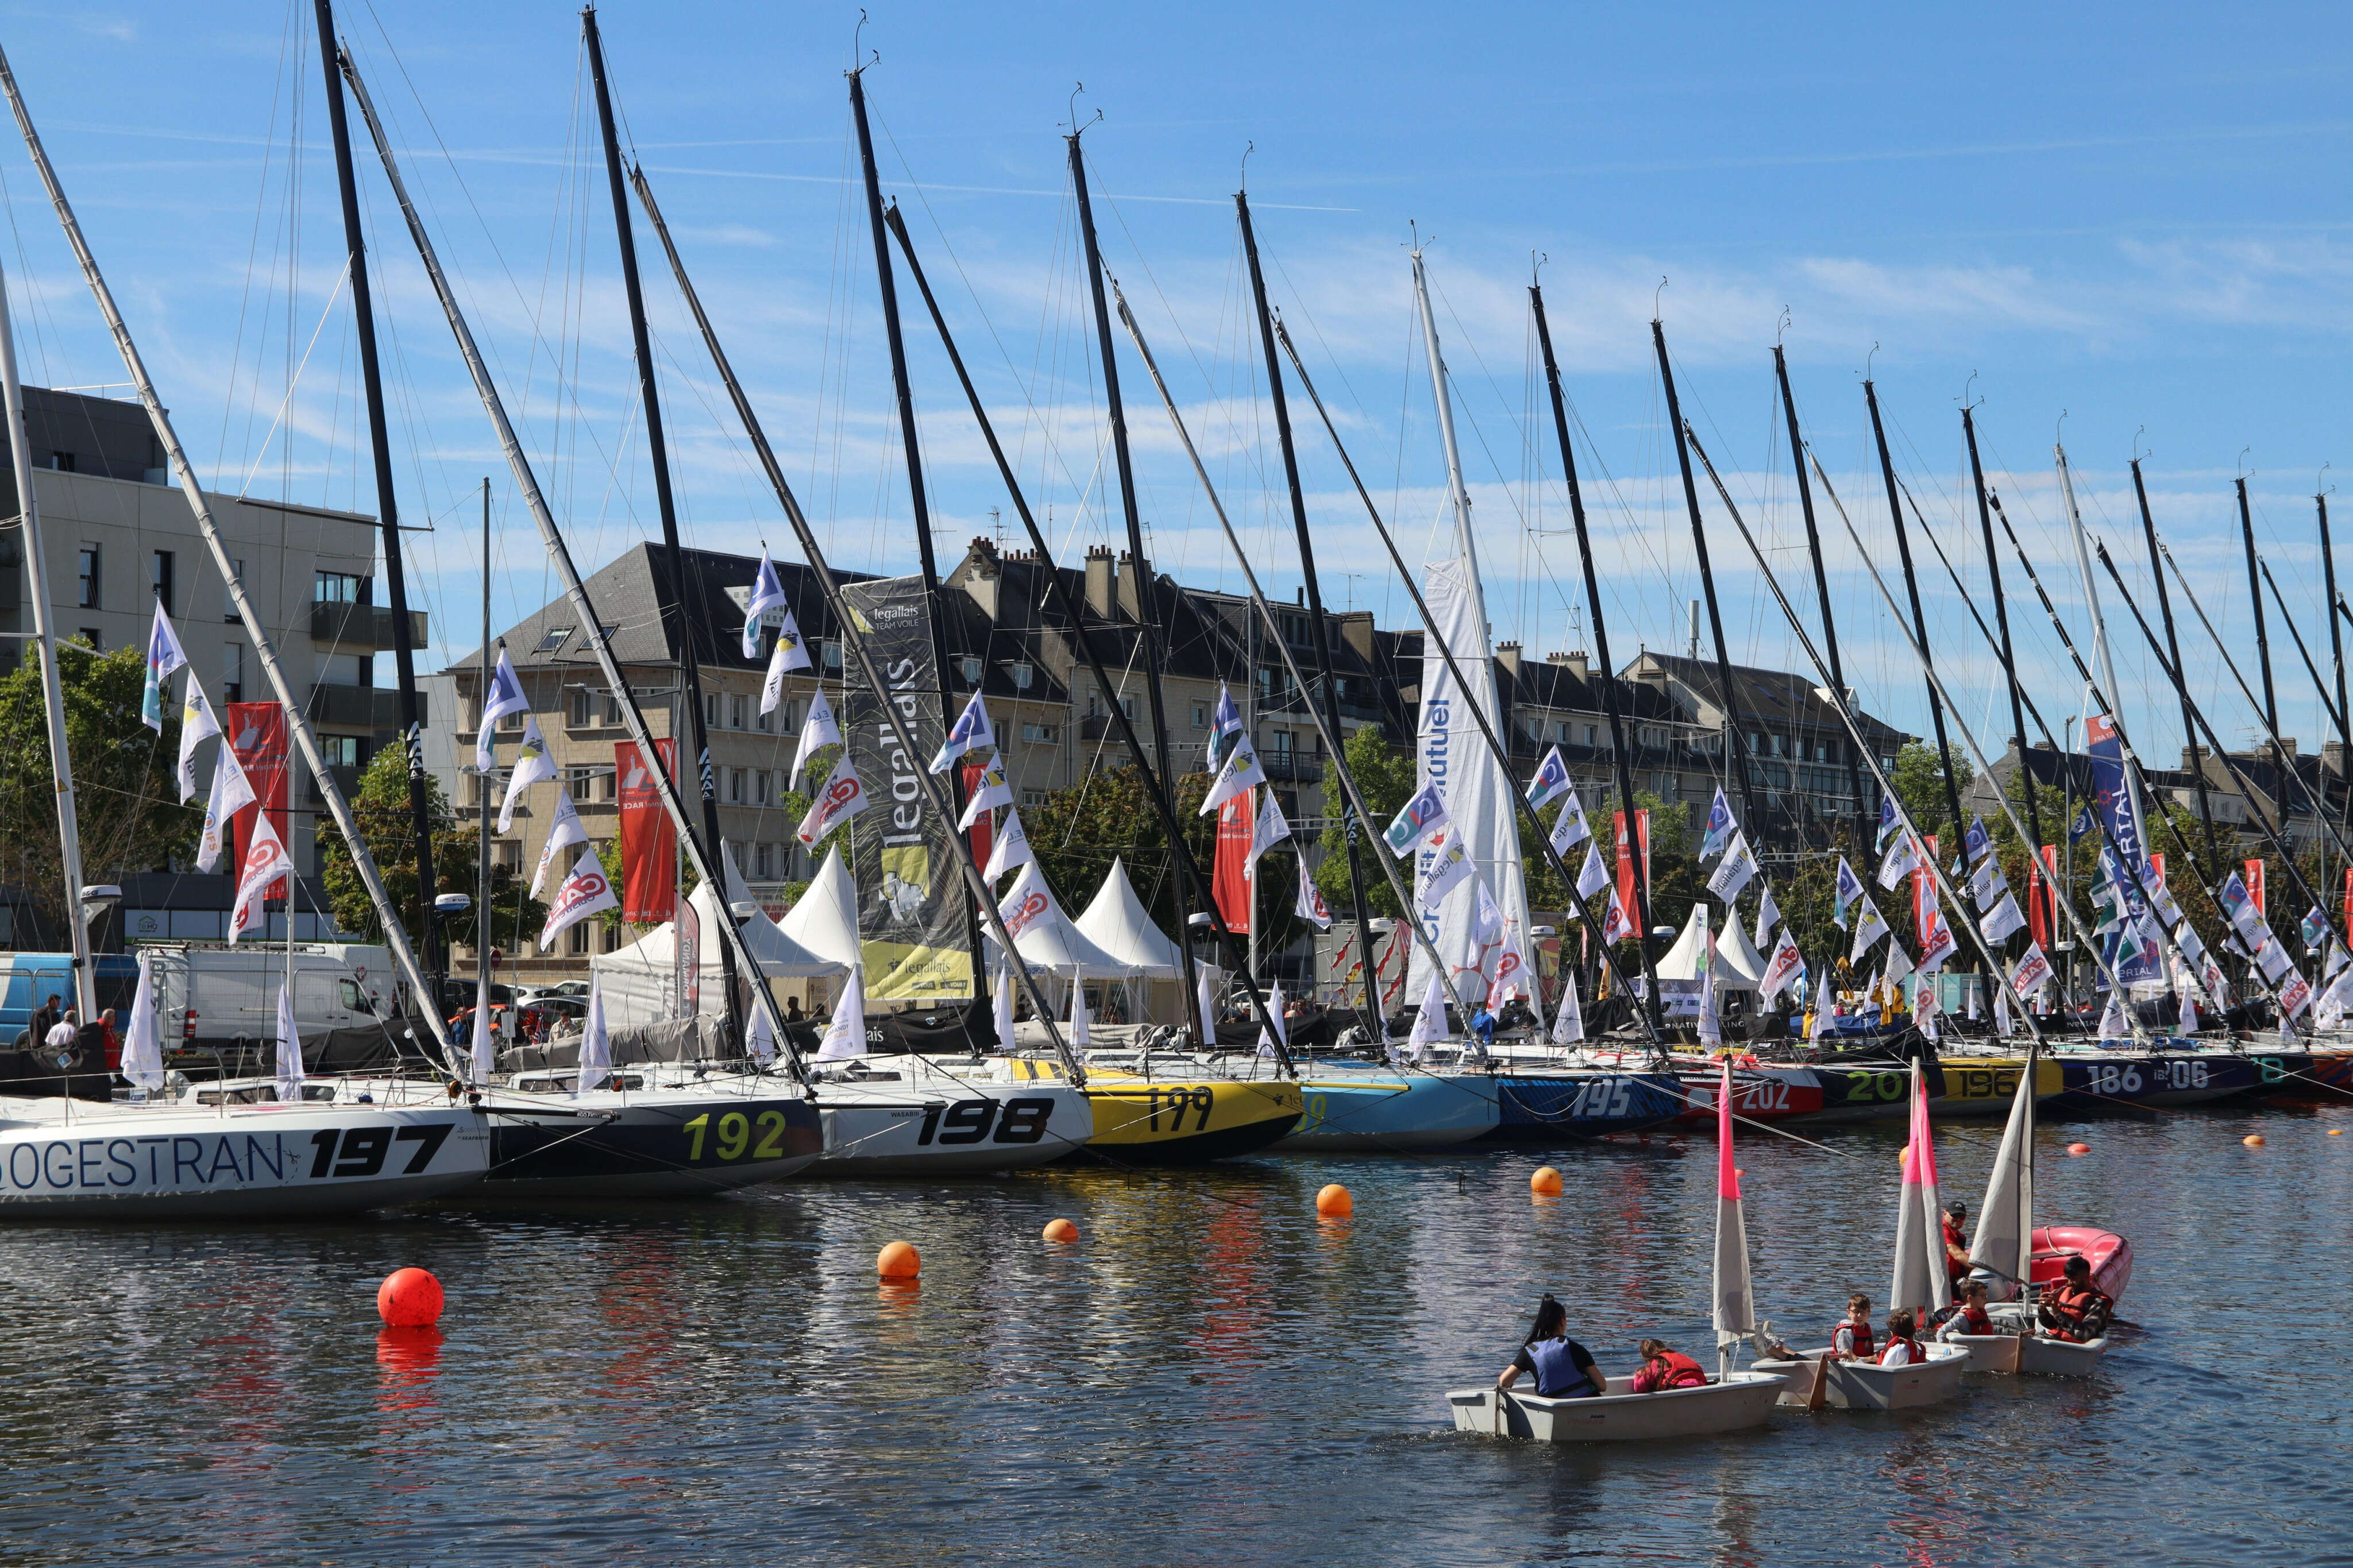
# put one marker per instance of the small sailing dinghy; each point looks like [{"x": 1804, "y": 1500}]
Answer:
[
  {"x": 1920, "y": 1283},
  {"x": 1726, "y": 1402},
  {"x": 2006, "y": 1254}
]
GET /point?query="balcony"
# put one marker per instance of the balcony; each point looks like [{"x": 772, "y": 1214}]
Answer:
[
  {"x": 1292, "y": 767},
  {"x": 360, "y": 629},
  {"x": 359, "y": 707}
]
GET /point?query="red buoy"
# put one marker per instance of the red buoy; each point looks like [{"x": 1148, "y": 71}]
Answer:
[{"x": 409, "y": 1298}]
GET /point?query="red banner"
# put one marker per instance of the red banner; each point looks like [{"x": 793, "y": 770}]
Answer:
[
  {"x": 649, "y": 838},
  {"x": 2255, "y": 886},
  {"x": 2348, "y": 902},
  {"x": 1230, "y": 883},
  {"x": 983, "y": 832},
  {"x": 2041, "y": 891},
  {"x": 1626, "y": 867},
  {"x": 256, "y": 734}
]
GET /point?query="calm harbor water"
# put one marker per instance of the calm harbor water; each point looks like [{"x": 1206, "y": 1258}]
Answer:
[{"x": 1210, "y": 1377}]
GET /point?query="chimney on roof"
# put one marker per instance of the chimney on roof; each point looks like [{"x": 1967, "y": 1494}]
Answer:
[
  {"x": 1357, "y": 631},
  {"x": 1099, "y": 581},
  {"x": 1573, "y": 660},
  {"x": 1507, "y": 654},
  {"x": 1131, "y": 596}
]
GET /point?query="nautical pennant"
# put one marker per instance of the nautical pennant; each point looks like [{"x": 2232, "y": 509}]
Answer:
[
  {"x": 1720, "y": 826},
  {"x": 971, "y": 731},
  {"x": 838, "y": 799},
  {"x": 1739, "y": 867},
  {"x": 1416, "y": 820},
  {"x": 1550, "y": 782},
  {"x": 1869, "y": 927},
  {"x": 586, "y": 891},
  {"x": 819, "y": 729},
  {"x": 504, "y": 696},
  {"x": 566, "y": 829},
  {"x": 767, "y": 593},
  {"x": 164, "y": 655},
  {"x": 1594, "y": 875},
  {"x": 1767, "y": 914},
  {"x": 1011, "y": 848},
  {"x": 532, "y": 765},
  {"x": 789, "y": 653},
  {"x": 1847, "y": 888},
  {"x": 1570, "y": 829},
  {"x": 993, "y": 791}
]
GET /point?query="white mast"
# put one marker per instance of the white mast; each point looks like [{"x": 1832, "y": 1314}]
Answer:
[
  {"x": 45, "y": 649},
  {"x": 395, "y": 936},
  {"x": 1456, "y": 488},
  {"x": 2091, "y": 602}
]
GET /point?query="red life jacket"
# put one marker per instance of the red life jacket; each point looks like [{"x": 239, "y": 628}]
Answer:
[
  {"x": 2074, "y": 1306},
  {"x": 1974, "y": 1320},
  {"x": 1670, "y": 1369},
  {"x": 1918, "y": 1356},
  {"x": 1861, "y": 1332}
]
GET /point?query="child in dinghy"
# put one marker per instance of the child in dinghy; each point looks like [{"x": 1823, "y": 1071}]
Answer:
[
  {"x": 1561, "y": 1368},
  {"x": 1852, "y": 1339},
  {"x": 1968, "y": 1315},
  {"x": 2075, "y": 1309},
  {"x": 1663, "y": 1369},
  {"x": 1903, "y": 1349}
]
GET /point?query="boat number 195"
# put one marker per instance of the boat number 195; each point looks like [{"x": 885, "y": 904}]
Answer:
[{"x": 1603, "y": 1097}]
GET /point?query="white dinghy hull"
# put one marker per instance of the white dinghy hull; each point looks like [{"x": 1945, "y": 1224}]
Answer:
[
  {"x": 170, "y": 1161},
  {"x": 1861, "y": 1385},
  {"x": 2033, "y": 1355},
  {"x": 1744, "y": 1399}
]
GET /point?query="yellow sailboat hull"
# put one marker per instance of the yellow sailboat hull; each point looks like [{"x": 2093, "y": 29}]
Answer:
[{"x": 1179, "y": 1122}]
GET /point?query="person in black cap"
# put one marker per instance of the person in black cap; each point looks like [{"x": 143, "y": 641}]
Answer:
[{"x": 1956, "y": 1240}]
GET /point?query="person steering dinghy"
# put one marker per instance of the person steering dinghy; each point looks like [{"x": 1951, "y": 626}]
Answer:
[{"x": 1562, "y": 1368}]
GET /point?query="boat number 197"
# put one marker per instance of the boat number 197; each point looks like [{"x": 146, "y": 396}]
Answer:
[{"x": 361, "y": 1149}]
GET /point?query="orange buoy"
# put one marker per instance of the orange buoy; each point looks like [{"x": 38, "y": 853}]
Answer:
[
  {"x": 2254, "y": 1139},
  {"x": 2078, "y": 1148},
  {"x": 1061, "y": 1230},
  {"x": 1333, "y": 1202},
  {"x": 899, "y": 1261},
  {"x": 1545, "y": 1183},
  {"x": 409, "y": 1298},
  {"x": 2337, "y": 1132}
]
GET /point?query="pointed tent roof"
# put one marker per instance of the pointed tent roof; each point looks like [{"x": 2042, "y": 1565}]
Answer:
[
  {"x": 1737, "y": 963},
  {"x": 1059, "y": 946},
  {"x": 779, "y": 956},
  {"x": 824, "y": 919},
  {"x": 1118, "y": 923}
]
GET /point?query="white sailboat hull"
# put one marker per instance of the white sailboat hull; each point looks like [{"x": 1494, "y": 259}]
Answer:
[
  {"x": 1859, "y": 1385},
  {"x": 1742, "y": 1400},
  {"x": 925, "y": 1120},
  {"x": 2032, "y": 1355},
  {"x": 137, "y": 1161}
]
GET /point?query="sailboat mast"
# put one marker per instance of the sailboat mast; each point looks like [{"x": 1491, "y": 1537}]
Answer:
[
  {"x": 2255, "y": 597},
  {"x": 1620, "y": 754},
  {"x": 2101, "y": 652},
  {"x": 1073, "y": 610},
  {"x": 919, "y": 498},
  {"x": 1352, "y": 826},
  {"x": 1919, "y": 621},
  {"x": 396, "y": 935},
  {"x": 44, "y": 649},
  {"x": 485, "y": 926},
  {"x": 2009, "y": 656},
  {"x": 2173, "y": 647},
  {"x": 1456, "y": 489},
  {"x": 1147, "y": 588},
  {"x": 681, "y": 625},
  {"x": 705, "y": 858},
  {"x": 2336, "y": 651},
  {"x": 435, "y": 951},
  {"x": 1821, "y": 578},
  {"x": 1736, "y": 746}
]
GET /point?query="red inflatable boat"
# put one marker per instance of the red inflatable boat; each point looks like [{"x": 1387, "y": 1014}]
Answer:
[{"x": 2109, "y": 1255}]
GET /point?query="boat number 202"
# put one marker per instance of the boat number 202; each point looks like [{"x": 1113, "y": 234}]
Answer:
[{"x": 968, "y": 1122}]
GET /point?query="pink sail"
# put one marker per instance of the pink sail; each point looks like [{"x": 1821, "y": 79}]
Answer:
[{"x": 1736, "y": 1307}]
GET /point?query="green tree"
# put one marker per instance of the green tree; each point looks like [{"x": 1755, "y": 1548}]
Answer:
[
  {"x": 1077, "y": 832},
  {"x": 381, "y": 807},
  {"x": 1919, "y": 780},
  {"x": 1385, "y": 776},
  {"x": 126, "y": 801}
]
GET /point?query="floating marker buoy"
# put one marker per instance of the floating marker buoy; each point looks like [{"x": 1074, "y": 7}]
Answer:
[
  {"x": 2337, "y": 1132},
  {"x": 1061, "y": 1230},
  {"x": 1333, "y": 1202},
  {"x": 1545, "y": 1183},
  {"x": 899, "y": 1261},
  {"x": 409, "y": 1298},
  {"x": 2078, "y": 1148},
  {"x": 2252, "y": 1139}
]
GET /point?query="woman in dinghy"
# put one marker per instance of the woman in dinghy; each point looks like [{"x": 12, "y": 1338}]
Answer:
[
  {"x": 1562, "y": 1368},
  {"x": 1663, "y": 1369}
]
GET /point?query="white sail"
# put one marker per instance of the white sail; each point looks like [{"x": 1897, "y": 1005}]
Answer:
[{"x": 2004, "y": 1242}]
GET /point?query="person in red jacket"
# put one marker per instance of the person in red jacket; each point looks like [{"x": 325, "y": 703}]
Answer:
[
  {"x": 1957, "y": 1241},
  {"x": 1663, "y": 1369},
  {"x": 1850, "y": 1340}
]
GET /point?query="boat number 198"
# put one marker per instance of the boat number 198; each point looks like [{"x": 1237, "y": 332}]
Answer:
[{"x": 968, "y": 1122}]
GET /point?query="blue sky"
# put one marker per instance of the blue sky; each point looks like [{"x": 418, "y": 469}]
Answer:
[{"x": 2134, "y": 217}]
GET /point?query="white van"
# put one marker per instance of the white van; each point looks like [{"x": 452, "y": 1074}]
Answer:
[{"x": 208, "y": 992}]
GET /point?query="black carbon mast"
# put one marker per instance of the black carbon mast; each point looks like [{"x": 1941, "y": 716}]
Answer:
[
  {"x": 2008, "y": 655},
  {"x": 2173, "y": 649},
  {"x": 680, "y": 625},
  {"x": 1864, "y": 817}
]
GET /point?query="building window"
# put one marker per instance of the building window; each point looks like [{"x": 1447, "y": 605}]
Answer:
[
  {"x": 1041, "y": 734},
  {"x": 163, "y": 575},
  {"x": 555, "y": 638},
  {"x": 612, "y": 707},
  {"x": 1023, "y": 674},
  {"x": 89, "y": 577},
  {"x": 831, "y": 653},
  {"x": 735, "y": 786},
  {"x": 760, "y": 787},
  {"x": 764, "y": 861},
  {"x": 341, "y": 751},
  {"x": 608, "y": 784},
  {"x": 736, "y": 709},
  {"x": 1033, "y": 798},
  {"x": 1200, "y": 715},
  {"x": 90, "y": 635},
  {"x": 971, "y": 669},
  {"x": 63, "y": 462},
  {"x": 763, "y": 723},
  {"x": 340, "y": 588},
  {"x": 576, "y": 939},
  {"x": 711, "y": 710},
  {"x": 578, "y": 711},
  {"x": 507, "y": 852},
  {"x": 233, "y": 673}
]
